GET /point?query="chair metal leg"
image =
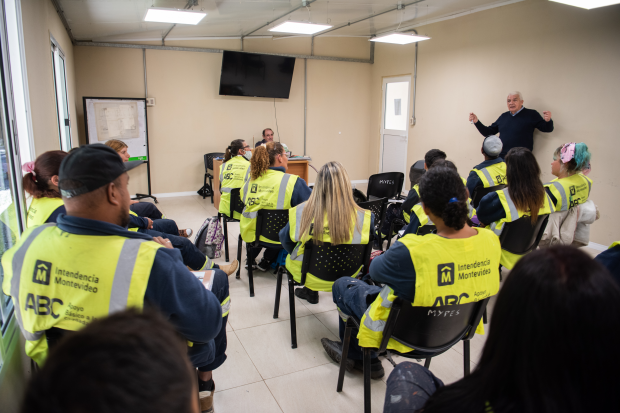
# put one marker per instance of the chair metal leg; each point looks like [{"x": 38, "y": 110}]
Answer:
[
  {"x": 345, "y": 353},
  {"x": 427, "y": 363},
  {"x": 366, "y": 380},
  {"x": 291, "y": 303},
  {"x": 203, "y": 187},
  {"x": 276, "y": 306},
  {"x": 212, "y": 189},
  {"x": 250, "y": 274},
  {"x": 466, "y": 344},
  {"x": 390, "y": 234},
  {"x": 225, "y": 236},
  {"x": 484, "y": 317},
  {"x": 239, "y": 246}
]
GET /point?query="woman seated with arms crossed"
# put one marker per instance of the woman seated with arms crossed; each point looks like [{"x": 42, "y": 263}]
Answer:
[
  {"x": 233, "y": 173},
  {"x": 571, "y": 187},
  {"x": 410, "y": 270},
  {"x": 552, "y": 346},
  {"x": 153, "y": 218},
  {"x": 524, "y": 196},
  {"x": 41, "y": 181},
  {"x": 331, "y": 206},
  {"x": 269, "y": 187}
]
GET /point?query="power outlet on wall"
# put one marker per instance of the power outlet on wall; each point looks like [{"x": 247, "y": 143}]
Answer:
[{"x": 150, "y": 101}]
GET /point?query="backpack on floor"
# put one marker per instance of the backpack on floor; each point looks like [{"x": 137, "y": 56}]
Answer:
[{"x": 209, "y": 238}]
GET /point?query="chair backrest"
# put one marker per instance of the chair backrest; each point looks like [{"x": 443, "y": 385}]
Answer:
[
  {"x": 426, "y": 229},
  {"x": 269, "y": 222},
  {"x": 431, "y": 328},
  {"x": 236, "y": 204},
  {"x": 520, "y": 236},
  {"x": 377, "y": 207},
  {"x": 416, "y": 171},
  {"x": 386, "y": 185},
  {"x": 209, "y": 159},
  {"x": 480, "y": 192},
  {"x": 330, "y": 262}
]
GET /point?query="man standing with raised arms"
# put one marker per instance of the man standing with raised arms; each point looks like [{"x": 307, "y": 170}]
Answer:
[{"x": 515, "y": 127}]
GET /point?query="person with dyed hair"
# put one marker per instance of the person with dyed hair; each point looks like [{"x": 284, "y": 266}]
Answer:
[{"x": 571, "y": 164}]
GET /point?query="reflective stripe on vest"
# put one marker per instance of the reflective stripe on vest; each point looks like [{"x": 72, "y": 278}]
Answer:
[
  {"x": 272, "y": 190},
  {"x": 134, "y": 229},
  {"x": 448, "y": 272},
  {"x": 237, "y": 171},
  {"x": 570, "y": 191},
  {"x": 41, "y": 209},
  {"x": 360, "y": 234},
  {"x": 492, "y": 175}
]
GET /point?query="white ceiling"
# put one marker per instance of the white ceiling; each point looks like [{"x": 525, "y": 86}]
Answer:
[{"x": 122, "y": 20}]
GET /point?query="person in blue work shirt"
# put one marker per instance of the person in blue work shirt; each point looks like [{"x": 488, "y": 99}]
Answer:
[
  {"x": 492, "y": 171},
  {"x": 88, "y": 265},
  {"x": 410, "y": 269}
]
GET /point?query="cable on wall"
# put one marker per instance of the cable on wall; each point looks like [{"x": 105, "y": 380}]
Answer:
[{"x": 275, "y": 114}]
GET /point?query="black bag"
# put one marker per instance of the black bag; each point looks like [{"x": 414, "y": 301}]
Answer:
[
  {"x": 359, "y": 196},
  {"x": 205, "y": 190}
]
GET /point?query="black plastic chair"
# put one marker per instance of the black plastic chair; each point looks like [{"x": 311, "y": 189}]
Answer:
[
  {"x": 386, "y": 185},
  {"x": 430, "y": 331},
  {"x": 327, "y": 262},
  {"x": 480, "y": 192},
  {"x": 209, "y": 170},
  {"x": 423, "y": 230},
  {"x": 520, "y": 236},
  {"x": 269, "y": 222},
  {"x": 378, "y": 207},
  {"x": 236, "y": 205}
]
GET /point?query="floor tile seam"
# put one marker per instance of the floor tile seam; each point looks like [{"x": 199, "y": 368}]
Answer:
[
  {"x": 275, "y": 322},
  {"x": 295, "y": 372},
  {"x": 241, "y": 385},
  {"x": 253, "y": 364}
]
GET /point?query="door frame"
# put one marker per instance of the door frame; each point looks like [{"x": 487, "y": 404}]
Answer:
[{"x": 382, "y": 131}]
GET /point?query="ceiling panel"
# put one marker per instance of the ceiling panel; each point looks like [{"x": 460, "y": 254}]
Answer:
[{"x": 105, "y": 20}]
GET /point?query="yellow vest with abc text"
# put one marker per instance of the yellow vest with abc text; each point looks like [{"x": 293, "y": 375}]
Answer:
[
  {"x": 360, "y": 234},
  {"x": 56, "y": 280},
  {"x": 570, "y": 191},
  {"x": 512, "y": 214},
  {"x": 448, "y": 272},
  {"x": 492, "y": 175},
  {"x": 41, "y": 209},
  {"x": 272, "y": 190},
  {"x": 232, "y": 175}
]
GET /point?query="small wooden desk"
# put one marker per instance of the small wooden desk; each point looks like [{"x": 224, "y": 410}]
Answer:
[{"x": 295, "y": 167}]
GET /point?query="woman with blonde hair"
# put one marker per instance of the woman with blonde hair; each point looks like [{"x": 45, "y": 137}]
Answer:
[
  {"x": 331, "y": 207},
  {"x": 269, "y": 187}
]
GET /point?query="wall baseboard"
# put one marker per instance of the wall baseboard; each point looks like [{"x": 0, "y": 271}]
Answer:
[{"x": 598, "y": 247}]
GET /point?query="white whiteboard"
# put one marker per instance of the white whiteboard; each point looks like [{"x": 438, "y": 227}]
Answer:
[{"x": 122, "y": 119}]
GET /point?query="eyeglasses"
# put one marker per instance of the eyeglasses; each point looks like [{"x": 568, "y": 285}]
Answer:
[{"x": 246, "y": 147}]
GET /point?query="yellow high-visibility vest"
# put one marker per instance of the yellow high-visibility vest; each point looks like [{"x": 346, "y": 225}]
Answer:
[
  {"x": 232, "y": 175},
  {"x": 492, "y": 175},
  {"x": 360, "y": 234},
  {"x": 272, "y": 190},
  {"x": 448, "y": 272},
  {"x": 570, "y": 191},
  {"x": 41, "y": 209}
]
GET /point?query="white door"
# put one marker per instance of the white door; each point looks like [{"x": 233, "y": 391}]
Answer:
[{"x": 394, "y": 125}]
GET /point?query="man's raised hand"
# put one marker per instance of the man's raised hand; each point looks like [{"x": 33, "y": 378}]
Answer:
[
  {"x": 547, "y": 116},
  {"x": 473, "y": 118}
]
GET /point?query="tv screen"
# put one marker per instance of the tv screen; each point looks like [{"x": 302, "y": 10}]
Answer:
[{"x": 258, "y": 75}]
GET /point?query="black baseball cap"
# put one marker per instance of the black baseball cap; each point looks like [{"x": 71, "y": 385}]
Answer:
[{"x": 90, "y": 167}]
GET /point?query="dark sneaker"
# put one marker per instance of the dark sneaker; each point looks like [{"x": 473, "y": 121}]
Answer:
[
  {"x": 307, "y": 294},
  {"x": 377, "y": 244},
  {"x": 334, "y": 351},
  {"x": 263, "y": 265},
  {"x": 376, "y": 368},
  {"x": 253, "y": 264}
]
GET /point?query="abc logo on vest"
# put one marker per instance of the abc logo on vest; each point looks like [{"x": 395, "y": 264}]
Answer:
[
  {"x": 42, "y": 272},
  {"x": 445, "y": 274}
]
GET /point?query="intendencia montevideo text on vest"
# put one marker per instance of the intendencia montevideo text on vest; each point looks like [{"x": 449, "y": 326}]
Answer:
[{"x": 85, "y": 285}]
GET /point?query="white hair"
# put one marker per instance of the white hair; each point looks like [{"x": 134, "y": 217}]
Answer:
[{"x": 517, "y": 93}]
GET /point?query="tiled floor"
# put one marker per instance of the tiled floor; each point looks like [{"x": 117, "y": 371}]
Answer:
[{"x": 263, "y": 373}]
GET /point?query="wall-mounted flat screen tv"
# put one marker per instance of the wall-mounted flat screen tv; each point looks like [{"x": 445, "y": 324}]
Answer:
[{"x": 257, "y": 75}]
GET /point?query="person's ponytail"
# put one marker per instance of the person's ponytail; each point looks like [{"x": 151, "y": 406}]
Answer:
[
  {"x": 455, "y": 214},
  {"x": 233, "y": 149},
  {"x": 582, "y": 156},
  {"x": 259, "y": 162},
  {"x": 36, "y": 181}
]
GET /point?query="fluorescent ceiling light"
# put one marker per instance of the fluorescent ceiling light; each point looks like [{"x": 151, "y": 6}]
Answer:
[
  {"x": 399, "y": 38},
  {"x": 299, "y": 28},
  {"x": 178, "y": 16},
  {"x": 588, "y": 4}
]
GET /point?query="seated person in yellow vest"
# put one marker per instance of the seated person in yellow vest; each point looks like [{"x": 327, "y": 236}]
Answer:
[
  {"x": 128, "y": 362},
  {"x": 492, "y": 171},
  {"x": 524, "y": 196},
  {"x": 550, "y": 296},
  {"x": 571, "y": 164},
  {"x": 331, "y": 206},
  {"x": 413, "y": 269},
  {"x": 41, "y": 182},
  {"x": 233, "y": 173},
  {"x": 147, "y": 209},
  {"x": 419, "y": 218},
  {"x": 413, "y": 197},
  {"x": 269, "y": 187},
  {"x": 64, "y": 275}
]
